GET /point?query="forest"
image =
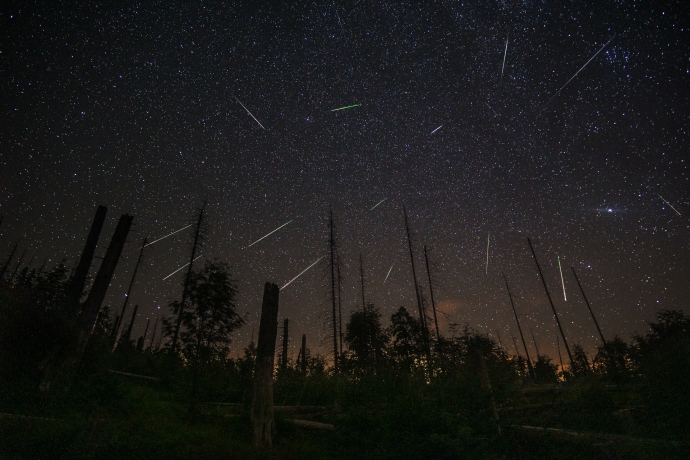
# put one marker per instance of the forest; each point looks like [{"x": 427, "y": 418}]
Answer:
[{"x": 77, "y": 384}]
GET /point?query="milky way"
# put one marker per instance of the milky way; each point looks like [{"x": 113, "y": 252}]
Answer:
[{"x": 134, "y": 106}]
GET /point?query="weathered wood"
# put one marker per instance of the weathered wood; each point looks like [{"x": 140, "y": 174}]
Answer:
[
  {"x": 486, "y": 385},
  {"x": 553, "y": 308},
  {"x": 524, "y": 344},
  {"x": 76, "y": 287},
  {"x": 283, "y": 363},
  {"x": 312, "y": 425},
  {"x": 431, "y": 291},
  {"x": 606, "y": 436},
  {"x": 304, "y": 353},
  {"x": 129, "y": 292},
  {"x": 127, "y": 374},
  {"x": 63, "y": 360},
  {"x": 422, "y": 316},
  {"x": 185, "y": 291},
  {"x": 261, "y": 410},
  {"x": 332, "y": 248},
  {"x": 93, "y": 302},
  {"x": 128, "y": 335}
]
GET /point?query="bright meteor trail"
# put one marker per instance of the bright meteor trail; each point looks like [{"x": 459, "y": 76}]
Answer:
[
  {"x": 169, "y": 234},
  {"x": 378, "y": 204},
  {"x": 262, "y": 126},
  {"x": 180, "y": 269},
  {"x": 573, "y": 77},
  {"x": 269, "y": 234},
  {"x": 301, "y": 273},
  {"x": 346, "y": 107},
  {"x": 562, "y": 282},
  {"x": 389, "y": 272},
  {"x": 432, "y": 132},
  {"x": 668, "y": 204},
  {"x": 505, "y": 53}
]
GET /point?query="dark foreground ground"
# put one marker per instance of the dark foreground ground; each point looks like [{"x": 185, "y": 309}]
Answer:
[{"x": 113, "y": 417}]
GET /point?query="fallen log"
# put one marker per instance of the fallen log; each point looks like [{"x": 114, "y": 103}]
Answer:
[
  {"x": 127, "y": 374},
  {"x": 28, "y": 417},
  {"x": 604, "y": 436},
  {"x": 525, "y": 407},
  {"x": 312, "y": 425}
]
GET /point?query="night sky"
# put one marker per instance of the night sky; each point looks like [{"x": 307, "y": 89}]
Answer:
[{"x": 134, "y": 106}]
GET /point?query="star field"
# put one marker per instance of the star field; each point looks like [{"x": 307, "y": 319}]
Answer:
[{"x": 135, "y": 106}]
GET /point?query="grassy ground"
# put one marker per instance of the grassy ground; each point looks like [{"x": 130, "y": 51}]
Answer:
[{"x": 113, "y": 417}]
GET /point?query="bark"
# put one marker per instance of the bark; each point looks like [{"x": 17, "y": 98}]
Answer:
[
  {"x": 312, "y": 425},
  {"x": 261, "y": 410},
  {"x": 486, "y": 385},
  {"x": 82, "y": 271},
  {"x": 93, "y": 302}
]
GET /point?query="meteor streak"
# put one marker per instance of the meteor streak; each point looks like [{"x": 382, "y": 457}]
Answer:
[
  {"x": 488, "y": 241},
  {"x": 668, "y": 204},
  {"x": 346, "y": 107},
  {"x": 169, "y": 234},
  {"x": 432, "y": 132},
  {"x": 262, "y": 126},
  {"x": 389, "y": 273},
  {"x": 562, "y": 282},
  {"x": 301, "y": 273},
  {"x": 505, "y": 53},
  {"x": 179, "y": 269},
  {"x": 378, "y": 204},
  {"x": 573, "y": 77},
  {"x": 269, "y": 234}
]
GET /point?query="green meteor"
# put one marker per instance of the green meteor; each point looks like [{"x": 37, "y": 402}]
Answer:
[
  {"x": 378, "y": 204},
  {"x": 670, "y": 205},
  {"x": 389, "y": 273},
  {"x": 346, "y": 107}
]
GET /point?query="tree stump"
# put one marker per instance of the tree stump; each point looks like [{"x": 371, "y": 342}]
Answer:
[{"x": 261, "y": 410}]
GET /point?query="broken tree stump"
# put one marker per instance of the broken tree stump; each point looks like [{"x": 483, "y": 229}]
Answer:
[
  {"x": 78, "y": 281},
  {"x": 482, "y": 371},
  {"x": 261, "y": 410}
]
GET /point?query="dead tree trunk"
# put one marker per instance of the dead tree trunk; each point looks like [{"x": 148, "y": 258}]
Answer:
[
  {"x": 535, "y": 343},
  {"x": 422, "y": 316},
  {"x": 62, "y": 361},
  {"x": 3, "y": 270},
  {"x": 603, "y": 340},
  {"x": 153, "y": 334},
  {"x": 553, "y": 308},
  {"x": 92, "y": 305},
  {"x": 185, "y": 292},
  {"x": 332, "y": 247},
  {"x": 431, "y": 291},
  {"x": 129, "y": 292},
  {"x": 367, "y": 344},
  {"x": 283, "y": 363},
  {"x": 480, "y": 365},
  {"x": 522, "y": 336},
  {"x": 128, "y": 335},
  {"x": 76, "y": 287},
  {"x": 340, "y": 308},
  {"x": 142, "y": 339},
  {"x": 261, "y": 410},
  {"x": 304, "y": 353}
]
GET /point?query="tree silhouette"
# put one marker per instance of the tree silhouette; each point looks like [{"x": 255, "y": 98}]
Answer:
[
  {"x": 365, "y": 337},
  {"x": 210, "y": 317}
]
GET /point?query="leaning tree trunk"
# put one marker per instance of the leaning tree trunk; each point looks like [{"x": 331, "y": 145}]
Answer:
[
  {"x": 483, "y": 372},
  {"x": 261, "y": 410}
]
